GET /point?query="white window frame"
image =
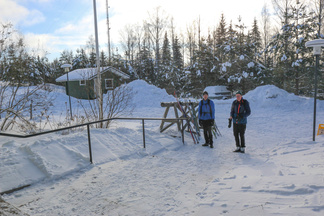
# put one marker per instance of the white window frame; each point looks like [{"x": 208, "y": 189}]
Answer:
[
  {"x": 112, "y": 84},
  {"x": 83, "y": 84}
]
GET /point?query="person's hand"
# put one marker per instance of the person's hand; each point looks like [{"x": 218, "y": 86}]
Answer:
[{"x": 200, "y": 122}]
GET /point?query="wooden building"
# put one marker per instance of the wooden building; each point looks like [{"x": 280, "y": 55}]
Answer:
[{"x": 80, "y": 83}]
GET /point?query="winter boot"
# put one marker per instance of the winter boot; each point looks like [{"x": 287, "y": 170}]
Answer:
[
  {"x": 242, "y": 150},
  {"x": 206, "y": 144},
  {"x": 238, "y": 149},
  {"x": 211, "y": 145}
]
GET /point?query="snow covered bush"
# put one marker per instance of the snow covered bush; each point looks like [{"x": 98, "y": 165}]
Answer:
[
  {"x": 19, "y": 103},
  {"x": 115, "y": 103}
]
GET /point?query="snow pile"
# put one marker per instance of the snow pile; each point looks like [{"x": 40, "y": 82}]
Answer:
[
  {"x": 270, "y": 96},
  {"x": 146, "y": 95},
  {"x": 31, "y": 160}
]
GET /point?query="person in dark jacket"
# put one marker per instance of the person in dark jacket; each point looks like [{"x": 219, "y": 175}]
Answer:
[
  {"x": 206, "y": 116},
  {"x": 240, "y": 110}
]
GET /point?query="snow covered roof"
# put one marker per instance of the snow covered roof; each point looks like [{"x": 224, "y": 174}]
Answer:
[{"x": 90, "y": 73}]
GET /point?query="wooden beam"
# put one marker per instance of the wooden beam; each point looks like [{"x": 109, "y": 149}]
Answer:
[{"x": 187, "y": 110}]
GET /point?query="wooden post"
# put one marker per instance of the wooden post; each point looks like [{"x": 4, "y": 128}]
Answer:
[
  {"x": 164, "y": 116},
  {"x": 176, "y": 114},
  {"x": 187, "y": 109},
  {"x": 31, "y": 109}
]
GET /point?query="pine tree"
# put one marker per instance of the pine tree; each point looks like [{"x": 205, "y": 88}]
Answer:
[
  {"x": 256, "y": 40},
  {"x": 19, "y": 65},
  {"x": 177, "y": 55},
  {"x": 283, "y": 10},
  {"x": 81, "y": 59},
  {"x": 55, "y": 70},
  {"x": 42, "y": 66},
  {"x": 221, "y": 35},
  {"x": 304, "y": 28},
  {"x": 165, "y": 79},
  {"x": 288, "y": 47},
  {"x": 66, "y": 57},
  {"x": 234, "y": 67},
  {"x": 204, "y": 65},
  {"x": 178, "y": 77},
  {"x": 240, "y": 67},
  {"x": 145, "y": 66},
  {"x": 103, "y": 59},
  {"x": 166, "y": 51}
]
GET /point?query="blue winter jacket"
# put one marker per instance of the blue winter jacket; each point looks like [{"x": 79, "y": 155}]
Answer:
[
  {"x": 204, "y": 109},
  {"x": 240, "y": 111}
]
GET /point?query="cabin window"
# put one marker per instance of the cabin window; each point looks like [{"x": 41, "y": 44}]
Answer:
[
  {"x": 109, "y": 84},
  {"x": 82, "y": 82}
]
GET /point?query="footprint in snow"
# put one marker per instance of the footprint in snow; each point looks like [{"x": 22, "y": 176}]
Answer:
[{"x": 229, "y": 178}]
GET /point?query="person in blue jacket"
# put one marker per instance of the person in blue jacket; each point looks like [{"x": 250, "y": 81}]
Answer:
[
  {"x": 240, "y": 110},
  {"x": 206, "y": 116}
]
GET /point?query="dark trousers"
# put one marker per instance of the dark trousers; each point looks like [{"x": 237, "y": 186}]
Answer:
[
  {"x": 208, "y": 135},
  {"x": 239, "y": 131}
]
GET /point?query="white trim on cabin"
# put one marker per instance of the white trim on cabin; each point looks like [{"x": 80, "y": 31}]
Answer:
[
  {"x": 109, "y": 85},
  {"x": 83, "y": 82}
]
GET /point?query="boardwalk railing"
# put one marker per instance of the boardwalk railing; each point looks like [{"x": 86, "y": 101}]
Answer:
[{"x": 95, "y": 122}]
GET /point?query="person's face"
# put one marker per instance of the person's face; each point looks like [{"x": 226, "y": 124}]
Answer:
[
  {"x": 238, "y": 97},
  {"x": 205, "y": 96}
]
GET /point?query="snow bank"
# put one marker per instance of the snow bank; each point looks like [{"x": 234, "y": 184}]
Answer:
[
  {"x": 32, "y": 160},
  {"x": 270, "y": 96},
  {"x": 149, "y": 96}
]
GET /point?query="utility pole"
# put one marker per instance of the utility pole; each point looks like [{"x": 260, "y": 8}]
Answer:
[
  {"x": 98, "y": 83},
  {"x": 320, "y": 18},
  {"x": 108, "y": 30}
]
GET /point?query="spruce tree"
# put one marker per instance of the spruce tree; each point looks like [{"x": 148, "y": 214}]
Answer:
[
  {"x": 81, "y": 59},
  {"x": 255, "y": 40},
  {"x": 66, "y": 57},
  {"x": 165, "y": 68},
  {"x": 178, "y": 77},
  {"x": 221, "y": 36},
  {"x": 42, "y": 66},
  {"x": 291, "y": 55},
  {"x": 166, "y": 51},
  {"x": 103, "y": 59}
]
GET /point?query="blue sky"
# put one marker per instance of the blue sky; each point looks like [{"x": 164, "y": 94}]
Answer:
[{"x": 57, "y": 25}]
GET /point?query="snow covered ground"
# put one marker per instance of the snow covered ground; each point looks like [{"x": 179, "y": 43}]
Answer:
[{"x": 280, "y": 174}]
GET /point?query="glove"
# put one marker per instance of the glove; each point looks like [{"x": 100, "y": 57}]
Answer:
[
  {"x": 229, "y": 123},
  {"x": 212, "y": 122},
  {"x": 200, "y": 122}
]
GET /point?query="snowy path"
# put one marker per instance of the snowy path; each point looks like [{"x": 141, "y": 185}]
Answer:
[
  {"x": 190, "y": 180},
  {"x": 281, "y": 173}
]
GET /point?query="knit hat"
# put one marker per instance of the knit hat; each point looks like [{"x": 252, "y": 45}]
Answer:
[
  {"x": 238, "y": 92},
  {"x": 205, "y": 93}
]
